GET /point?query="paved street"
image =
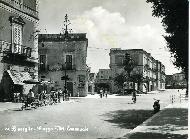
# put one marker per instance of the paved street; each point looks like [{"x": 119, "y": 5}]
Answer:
[{"x": 91, "y": 117}]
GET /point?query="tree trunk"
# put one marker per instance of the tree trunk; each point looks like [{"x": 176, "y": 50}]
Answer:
[{"x": 187, "y": 89}]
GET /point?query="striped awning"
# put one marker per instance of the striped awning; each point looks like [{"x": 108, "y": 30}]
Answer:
[{"x": 19, "y": 77}]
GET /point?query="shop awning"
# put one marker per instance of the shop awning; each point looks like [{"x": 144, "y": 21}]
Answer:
[{"x": 18, "y": 78}]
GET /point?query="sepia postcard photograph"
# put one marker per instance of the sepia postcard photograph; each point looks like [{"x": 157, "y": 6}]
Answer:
[{"x": 94, "y": 69}]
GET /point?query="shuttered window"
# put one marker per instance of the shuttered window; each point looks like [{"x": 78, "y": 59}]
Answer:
[{"x": 17, "y": 39}]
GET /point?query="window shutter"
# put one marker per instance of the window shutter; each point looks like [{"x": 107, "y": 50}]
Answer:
[{"x": 17, "y": 39}]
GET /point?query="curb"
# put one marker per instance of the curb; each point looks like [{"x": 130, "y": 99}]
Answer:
[{"x": 142, "y": 124}]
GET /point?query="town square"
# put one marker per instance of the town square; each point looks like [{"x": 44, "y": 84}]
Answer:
[{"x": 94, "y": 69}]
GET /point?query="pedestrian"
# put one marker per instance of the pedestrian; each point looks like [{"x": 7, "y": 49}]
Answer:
[
  {"x": 52, "y": 96},
  {"x": 30, "y": 98},
  {"x": 134, "y": 96},
  {"x": 31, "y": 95},
  {"x": 64, "y": 95},
  {"x": 59, "y": 95},
  {"x": 44, "y": 98},
  {"x": 55, "y": 96},
  {"x": 101, "y": 93},
  {"x": 68, "y": 95},
  {"x": 106, "y": 93}
]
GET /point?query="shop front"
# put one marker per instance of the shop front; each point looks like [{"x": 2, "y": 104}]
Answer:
[{"x": 14, "y": 85}]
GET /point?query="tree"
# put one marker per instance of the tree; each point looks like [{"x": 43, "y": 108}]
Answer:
[
  {"x": 175, "y": 20},
  {"x": 119, "y": 80},
  {"x": 128, "y": 64},
  {"x": 137, "y": 78}
]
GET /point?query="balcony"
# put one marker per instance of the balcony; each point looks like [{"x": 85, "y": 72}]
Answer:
[
  {"x": 20, "y": 6},
  {"x": 69, "y": 67},
  {"x": 16, "y": 54},
  {"x": 58, "y": 67}
]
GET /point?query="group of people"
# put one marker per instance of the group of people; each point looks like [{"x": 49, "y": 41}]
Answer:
[
  {"x": 103, "y": 92},
  {"x": 44, "y": 98}
]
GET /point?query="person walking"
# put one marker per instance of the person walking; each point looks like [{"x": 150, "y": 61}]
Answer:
[
  {"x": 66, "y": 95},
  {"x": 59, "y": 95},
  {"x": 31, "y": 95},
  {"x": 106, "y": 93},
  {"x": 134, "y": 96},
  {"x": 101, "y": 93}
]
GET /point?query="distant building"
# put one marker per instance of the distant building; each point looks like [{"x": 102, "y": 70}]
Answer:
[
  {"x": 18, "y": 46},
  {"x": 163, "y": 77},
  {"x": 176, "y": 80},
  {"x": 103, "y": 79},
  {"x": 152, "y": 71},
  {"x": 59, "y": 56}
]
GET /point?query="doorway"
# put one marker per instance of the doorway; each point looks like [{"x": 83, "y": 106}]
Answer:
[{"x": 70, "y": 88}]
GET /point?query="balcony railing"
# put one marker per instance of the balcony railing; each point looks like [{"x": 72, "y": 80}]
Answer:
[
  {"x": 69, "y": 67},
  {"x": 15, "y": 49},
  {"x": 58, "y": 68},
  {"x": 20, "y": 6},
  {"x": 16, "y": 54}
]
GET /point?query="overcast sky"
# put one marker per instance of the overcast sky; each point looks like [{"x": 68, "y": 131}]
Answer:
[{"x": 126, "y": 24}]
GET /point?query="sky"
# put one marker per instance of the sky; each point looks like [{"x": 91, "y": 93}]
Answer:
[{"x": 125, "y": 24}]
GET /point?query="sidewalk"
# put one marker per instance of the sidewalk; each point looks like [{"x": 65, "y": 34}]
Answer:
[
  {"x": 169, "y": 123},
  {"x": 9, "y": 106}
]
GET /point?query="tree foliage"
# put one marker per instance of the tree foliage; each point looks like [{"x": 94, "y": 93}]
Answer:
[
  {"x": 119, "y": 80},
  {"x": 128, "y": 64},
  {"x": 175, "y": 20}
]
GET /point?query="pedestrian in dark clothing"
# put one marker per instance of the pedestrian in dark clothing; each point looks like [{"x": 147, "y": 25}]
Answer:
[
  {"x": 66, "y": 95},
  {"x": 103, "y": 92},
  {"x": 134, "y": 96},
  {"x": 59, "y": 95}
]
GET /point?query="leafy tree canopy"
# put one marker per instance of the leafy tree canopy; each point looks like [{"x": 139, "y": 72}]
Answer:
[
  {"x": 119, "y": 80},
  {"x": 175, "y": 20}
]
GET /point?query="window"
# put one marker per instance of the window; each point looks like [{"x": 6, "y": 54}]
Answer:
[
  {"x": 119, "y": 59},
  {"x": 69, "y": 61},
  {"x": 42, "y": 62},
  {"x": 17, "y": 24},
  {"x": 17, "y": 38}
]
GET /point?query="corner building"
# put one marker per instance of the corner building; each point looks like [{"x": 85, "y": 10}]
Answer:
[
  {"x": 60, "y": 56},
  {"x": 18, "y": 46},
  {"x": 152, "y": 70}
]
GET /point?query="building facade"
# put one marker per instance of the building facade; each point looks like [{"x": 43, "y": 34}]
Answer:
[
  {"x": 176, "y": 80},
  {"x": 145, "y": 65},
  {"x": 18, "y": 46},
  {"x": 103, "y": 79},
  {"x": 61, "y": 58}
]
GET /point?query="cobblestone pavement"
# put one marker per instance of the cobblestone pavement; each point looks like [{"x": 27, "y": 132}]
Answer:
[{"x": 81, "y": 117}]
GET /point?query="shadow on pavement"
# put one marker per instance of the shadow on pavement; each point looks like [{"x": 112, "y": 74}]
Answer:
[
  {"x": 128, "y": 119},
  {"x": 149, "y": 135},
  {"x": 174, "y": 116}
]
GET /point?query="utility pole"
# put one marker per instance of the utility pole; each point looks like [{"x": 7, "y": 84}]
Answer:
[{"x": 66, "y": 37}]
